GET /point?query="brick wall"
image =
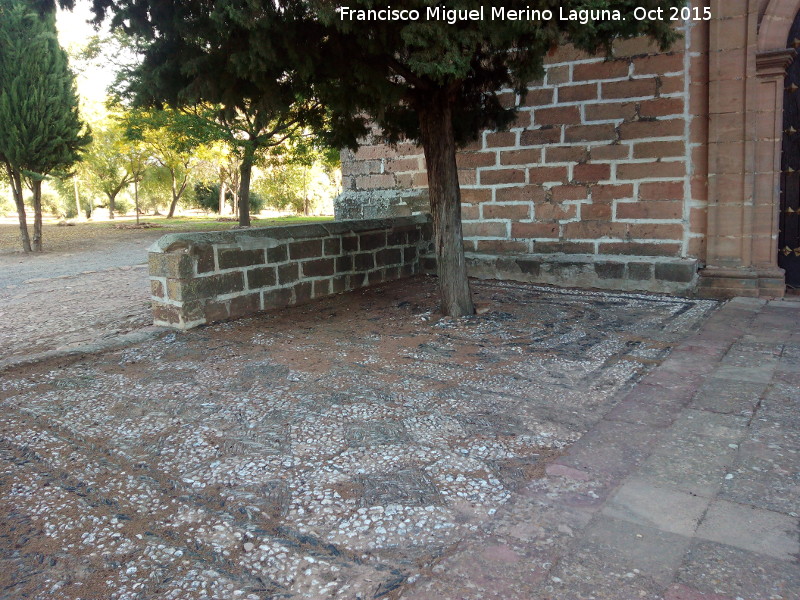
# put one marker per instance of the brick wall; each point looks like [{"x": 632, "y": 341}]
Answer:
[
  {"x": 606, "y": 160},
  {"x": 199, "y": 278}
]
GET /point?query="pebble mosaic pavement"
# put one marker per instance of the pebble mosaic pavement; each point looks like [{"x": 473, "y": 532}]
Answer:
[{"x": 336, "y": 450}]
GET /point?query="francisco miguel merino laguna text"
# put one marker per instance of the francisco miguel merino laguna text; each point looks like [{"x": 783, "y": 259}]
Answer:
[{"x": 497, "y": 13}]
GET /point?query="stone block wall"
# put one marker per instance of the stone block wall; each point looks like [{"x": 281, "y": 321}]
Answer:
[
  {"x": 607, "y": 161},
  {"x": 199, "y": 278}
]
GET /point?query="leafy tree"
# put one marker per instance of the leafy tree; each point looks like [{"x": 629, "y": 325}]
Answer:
[
  {"x": 176, "y": 141},
  {"x": 109, "y": 164},
  {"x": 41, "y": 131},
  {"x": 428, "y": 80}
]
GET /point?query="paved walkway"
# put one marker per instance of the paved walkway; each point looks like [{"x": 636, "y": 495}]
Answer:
[
  {"x": 562, "y": 445},
  {"x": 74, "y": 298},
  {"x": 688, "y": 489}
]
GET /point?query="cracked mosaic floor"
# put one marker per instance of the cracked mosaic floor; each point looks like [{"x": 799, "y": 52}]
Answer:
[{"x": 335, "y": 450}]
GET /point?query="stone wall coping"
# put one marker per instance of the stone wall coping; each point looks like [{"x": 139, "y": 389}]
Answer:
[
  {"x": 560, "y": 257},
  {"x": 260, "y": 236}
]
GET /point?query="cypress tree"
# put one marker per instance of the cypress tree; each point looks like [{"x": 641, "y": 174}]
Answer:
[{"x": 41, "y": 131}]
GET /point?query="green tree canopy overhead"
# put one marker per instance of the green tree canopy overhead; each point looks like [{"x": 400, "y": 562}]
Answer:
[
  {"x": 41, "y": 131},
  {"x": 433, "y": 80}
]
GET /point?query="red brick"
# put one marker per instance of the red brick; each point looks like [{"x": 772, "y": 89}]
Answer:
[
  {"x": 470, "y": 212},
  {"x": 610, "y": 152},
  {"x": 475, "y": 195},
  {"x": 603, "y": 70},
  {"x": 555, "y": 212},
  {"x": 558, "y": 75},
  {"x": 538, "y": 97},
  {"x": 569, "y": 154},
  {"x": 484, "y": 229},
  {"x": 559, "y": 115},
  {"x": 592, "y": 230},
  {"x": 563, "y": 247},
  {"x": 547, "y": 174},
  {"x": 596, "y": 212},
  {"x": 607, "y": 192},
  {"x": 660, "y": 107},
  {"x": 632, "y": 88},
  {"x": 663, "y": 190},
  {"x": 521, "y": 193},
  {"x": 371, "y": 182},
  {"x": 501, "y": 138},
  {"x": 402, "y": 164},
  {"x": 499, "y": 176},
  {"x": 634, "y": 171},
  {"x": 658, "y": 64},
  {"x": 506, "y": 211},
  {"x": 534, "y": 230},
  {"x": 590, "y": 133},
  {"x": 419, "y": 180},
  {"x": 656, "y": 231},
  {"x": 577, "y": 93},
  {"x": 635, "y": 47},
  {"x": 591, "y": 172},
  {"x": 652, "y": 129},
  {"x": 569, "y": 192},
  {"x": 659, "y": 149},
  {"x": 507, "y": 99},
  {"x": 472, "y": 160},
  {"x": 527, "y": 156},
  {"x": 650, "y": 210},
  {"x": 673, "y": 85},
  {"x": 372, "y": 152},
  {"x": 467, "y": 177},
  {"x": 610, "y": 110},
  {"x": 545, "y": 135},
  {"x": 501, "y": 247}
]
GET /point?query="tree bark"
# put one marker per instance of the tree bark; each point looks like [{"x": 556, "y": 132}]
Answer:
[
  {"x": 438, "y": 142},
  {"x": 136, "y": 198},
  {"x": 177, "y": 192},
  {"x": 244, "y": 185},
  {"x": 112, "y": 198},
  {"x": 79, "y": 214},
  {"x": 16, "y": 188},
  {"x": 37, "y": 215},
  {"x": 221, "y": 197}
]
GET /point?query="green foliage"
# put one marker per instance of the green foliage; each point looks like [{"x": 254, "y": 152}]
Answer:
[{"x": 42, "y": 131}]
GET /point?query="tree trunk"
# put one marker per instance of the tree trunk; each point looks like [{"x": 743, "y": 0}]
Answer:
[
  {"x": 112, "y": 199},
  {"x": 438, "y": 142},
  {"x": 221, "y": 197},
  {"x": 79, "y": 214},
  {"x": 175, "y": 198},
  {"x": 136, "y": 198},
  {"x": 37, "y": 215},
  {"x": 16, "y": 187},
  {"x": 244, "y": 186}
]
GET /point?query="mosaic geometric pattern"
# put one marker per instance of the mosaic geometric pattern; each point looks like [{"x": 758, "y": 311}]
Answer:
[{"x": 326, "y": 451}]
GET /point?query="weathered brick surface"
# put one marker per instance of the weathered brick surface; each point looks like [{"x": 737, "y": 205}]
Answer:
[
  {"x": 602, "y": 160},
  {"x": 260, "y": 269}
]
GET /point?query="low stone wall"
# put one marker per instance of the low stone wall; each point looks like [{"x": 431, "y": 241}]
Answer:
[
  {"x": 626, "y": 273},
  {"x": 199, "y": 278}
]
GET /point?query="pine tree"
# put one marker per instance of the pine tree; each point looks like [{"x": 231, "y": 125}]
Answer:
[
  {"x": 41, "y": 130},
  {"x": 431, "y": 80}
]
